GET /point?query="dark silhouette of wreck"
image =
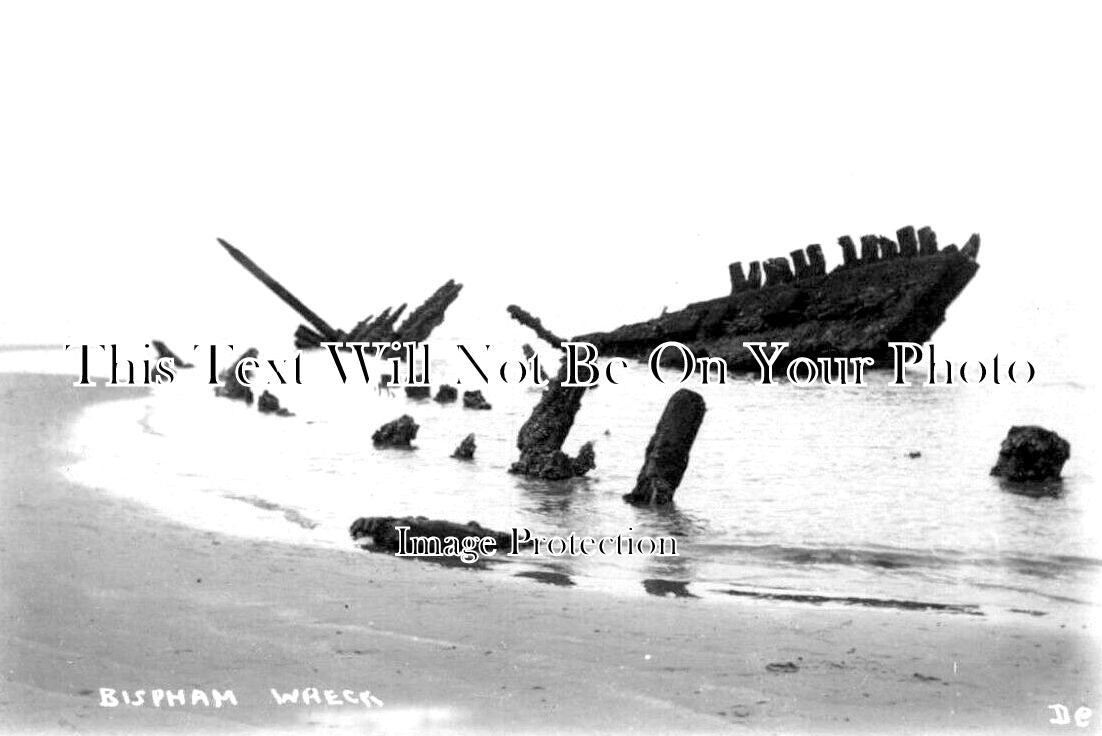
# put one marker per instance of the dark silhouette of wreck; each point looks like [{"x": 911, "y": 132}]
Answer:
[
  {"x": 417, "y": 326},
  {"x": 894, "y": 291}
]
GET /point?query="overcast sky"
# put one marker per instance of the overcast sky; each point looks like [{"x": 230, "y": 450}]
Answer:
[{"x": 560, "y": 155}]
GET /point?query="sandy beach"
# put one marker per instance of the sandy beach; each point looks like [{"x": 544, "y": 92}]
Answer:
[{"x": 100, "y": 593}]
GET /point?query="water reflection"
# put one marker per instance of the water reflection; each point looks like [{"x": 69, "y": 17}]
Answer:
[
  {"x": 669, "y": 520},
  {"x": 551, "y": 499},
  {"x": 549, "y": 577},
  {"x": 663, "y": 588},
  {"x": 1034, "y": 489}
]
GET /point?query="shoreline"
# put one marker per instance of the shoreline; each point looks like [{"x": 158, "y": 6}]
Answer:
[{"x": 101, "y": 593}]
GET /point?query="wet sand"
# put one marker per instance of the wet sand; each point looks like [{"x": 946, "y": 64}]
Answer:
[{"x": 98, "y": 592}]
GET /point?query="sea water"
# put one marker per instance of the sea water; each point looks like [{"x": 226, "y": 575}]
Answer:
[{"x": 803, "y": 493}]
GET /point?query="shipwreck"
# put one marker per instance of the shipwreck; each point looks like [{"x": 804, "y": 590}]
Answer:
[
  {"x": 890, "y": 291},
  {"x": 417, "y": 326}
]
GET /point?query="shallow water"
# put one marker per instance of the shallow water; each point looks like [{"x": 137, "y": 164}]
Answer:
[{"x": 807, "y": 494}]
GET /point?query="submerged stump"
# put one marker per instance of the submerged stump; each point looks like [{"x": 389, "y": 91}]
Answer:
[
  {"x": 541, "y": 438},
  {"x": 667, "y": 454},
  {"x": 446, "y": 394},
  {"x": 466, "y": 448},
  {"x": 398, "y": 433},
  {"x": 586, "y": 459},
  {"x": 382, "y": 530},
  {"x": 1031, "y": 454},
  {"x": 268, "y": 403},
  {"x": 164, "y": 351},
  {"x": 475, "y": 400},
  {"x": 231, "y": 388},
  {"x": 530, "y": 353}
]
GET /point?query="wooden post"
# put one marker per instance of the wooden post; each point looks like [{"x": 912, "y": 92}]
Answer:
[
  {"x": 738, "y": 277},
  {"x": 799, "y": 263},
  {"x": 526, "y": 319},
  {"x": 164, "y": 351},
  {"x": 667, "y": 454},
  {"x": 888, "y": 248},
  {"x": 817, "y": 261},
  {"x": 529, "y": 353},
  {"x": 972, "y": 247},
  {"x": 754, "y": 279},
  {"x": 541, "y": 438},
  {"x": 290, "y": 299},
  {"x": 927, "y": 242},
  {"x": 908, "y": 241},
  {"x": 870, "y": 250},
  {"x": 849, "y": 251},
  {"x": 777, "y": 271}
]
